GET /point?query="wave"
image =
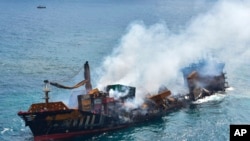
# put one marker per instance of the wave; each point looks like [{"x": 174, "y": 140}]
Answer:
[
  {"x": 230, "y": 89},
  {"x": 216, "y": 97}
]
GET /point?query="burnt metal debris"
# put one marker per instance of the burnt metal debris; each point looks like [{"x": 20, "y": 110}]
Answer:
[{"x": 99, "y": 112}]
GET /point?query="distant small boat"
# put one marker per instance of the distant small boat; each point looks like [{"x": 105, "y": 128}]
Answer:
[{"x": 41, "y": 6}]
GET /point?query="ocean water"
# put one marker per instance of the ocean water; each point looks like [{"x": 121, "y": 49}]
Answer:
[{"x": 53, "y": 43}]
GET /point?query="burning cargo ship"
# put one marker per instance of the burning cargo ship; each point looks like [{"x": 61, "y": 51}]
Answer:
[
  {"x": 204, "y": 78},
  {"x": 99, "y": 112}
]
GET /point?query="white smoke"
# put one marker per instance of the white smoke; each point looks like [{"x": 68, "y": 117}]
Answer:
[
  {"x": 117, "y": 94},
  {"x": 149, "y": 56}
]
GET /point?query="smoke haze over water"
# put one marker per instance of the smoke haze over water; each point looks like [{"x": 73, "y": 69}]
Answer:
[{"x": 149, "y": 56}]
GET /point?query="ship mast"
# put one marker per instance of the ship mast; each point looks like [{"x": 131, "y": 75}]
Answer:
[
  {"x": 88, "y": 85},
  {"x": 46, "y": 91}
]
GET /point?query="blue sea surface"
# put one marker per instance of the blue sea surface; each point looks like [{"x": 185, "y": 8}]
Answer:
[{"x": 53, "y": 43}]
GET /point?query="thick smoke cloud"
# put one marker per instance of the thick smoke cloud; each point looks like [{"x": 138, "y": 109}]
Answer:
[{"x": 150, "y": 56}]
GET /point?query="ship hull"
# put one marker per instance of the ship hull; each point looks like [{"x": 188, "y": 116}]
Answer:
[
  {"x": 80, "y": 133},
  {"x": 63, "y": 124},
  {"x": 67, "y": 123}
]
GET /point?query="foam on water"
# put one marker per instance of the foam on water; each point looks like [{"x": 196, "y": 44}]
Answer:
[
  {"x": 230, "y": 89},
  {"x": 4, "y": 130},
  {"x": 54, "y": 45},
  {"x": 216, "y": 97}
]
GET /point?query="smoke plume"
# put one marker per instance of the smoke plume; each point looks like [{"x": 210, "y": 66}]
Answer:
[{"x": 150, "y": 56}]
